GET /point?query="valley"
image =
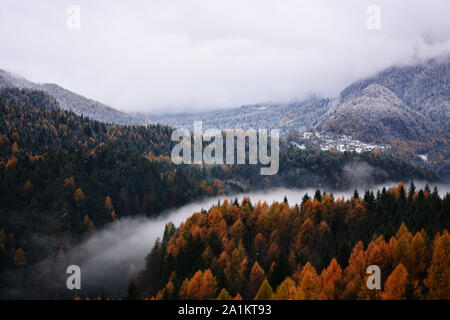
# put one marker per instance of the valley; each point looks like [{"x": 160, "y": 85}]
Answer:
[{"x": 92, "y": 183}]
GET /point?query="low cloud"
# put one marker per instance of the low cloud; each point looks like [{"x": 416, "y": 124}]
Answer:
[{"x": 359, "y": 174}]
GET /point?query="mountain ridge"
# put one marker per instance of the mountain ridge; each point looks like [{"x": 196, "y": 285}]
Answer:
[
  {"x": 423, "y": 89},
  {"x": 378, "y": 114},
  {"x": 72, "y": 101}
]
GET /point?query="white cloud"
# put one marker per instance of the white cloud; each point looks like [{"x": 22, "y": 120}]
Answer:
[{"x": 175, "y": 56}]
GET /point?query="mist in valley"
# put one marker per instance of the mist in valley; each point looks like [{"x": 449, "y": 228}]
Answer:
[{"x": 112, "y": 256}]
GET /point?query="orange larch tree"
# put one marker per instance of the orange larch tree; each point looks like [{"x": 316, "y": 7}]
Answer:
[
  {"x": 257, "y": 276},
  {"x": 309, "y": 287},
  {"x": 331, "y": 278},
  {"x": 438, "y": 280},
  {"x": 395, "y": 286}
]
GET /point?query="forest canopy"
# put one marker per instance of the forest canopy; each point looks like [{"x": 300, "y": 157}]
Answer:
[{"x": 319, "y": 249}]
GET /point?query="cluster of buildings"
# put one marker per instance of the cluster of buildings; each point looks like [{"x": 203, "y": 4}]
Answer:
[{"x": 339, "y": 143}]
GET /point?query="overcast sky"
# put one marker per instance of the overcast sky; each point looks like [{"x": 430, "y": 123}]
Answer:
[{"x": 183, "y": 56}]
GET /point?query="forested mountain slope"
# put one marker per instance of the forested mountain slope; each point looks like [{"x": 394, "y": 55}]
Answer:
[
  {"x": 407, "y": 107},
  {"x": 71, "y": 101},
  {"x": 378, "y": 115},
  {"x": 288, "y": 117},
  {"x": 425, "y": 87},
  {"x": 63, "y": 176}
]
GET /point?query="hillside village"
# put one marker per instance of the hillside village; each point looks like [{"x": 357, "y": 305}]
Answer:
[{"x": 329, "y": 141}]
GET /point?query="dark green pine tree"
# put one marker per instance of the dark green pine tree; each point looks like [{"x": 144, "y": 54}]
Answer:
[
  {"x": 318, "y": 195},
  {"x": 411, "y": 191},
  {"x": 305, "y": 198},
  {"x": 132, "y": 292}
]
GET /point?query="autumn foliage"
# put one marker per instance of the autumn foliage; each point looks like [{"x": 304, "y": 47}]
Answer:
[{"x": 317, "y": 251}]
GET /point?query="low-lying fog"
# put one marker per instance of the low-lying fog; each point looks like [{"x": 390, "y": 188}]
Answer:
[{"x": 130, "y": 241}]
